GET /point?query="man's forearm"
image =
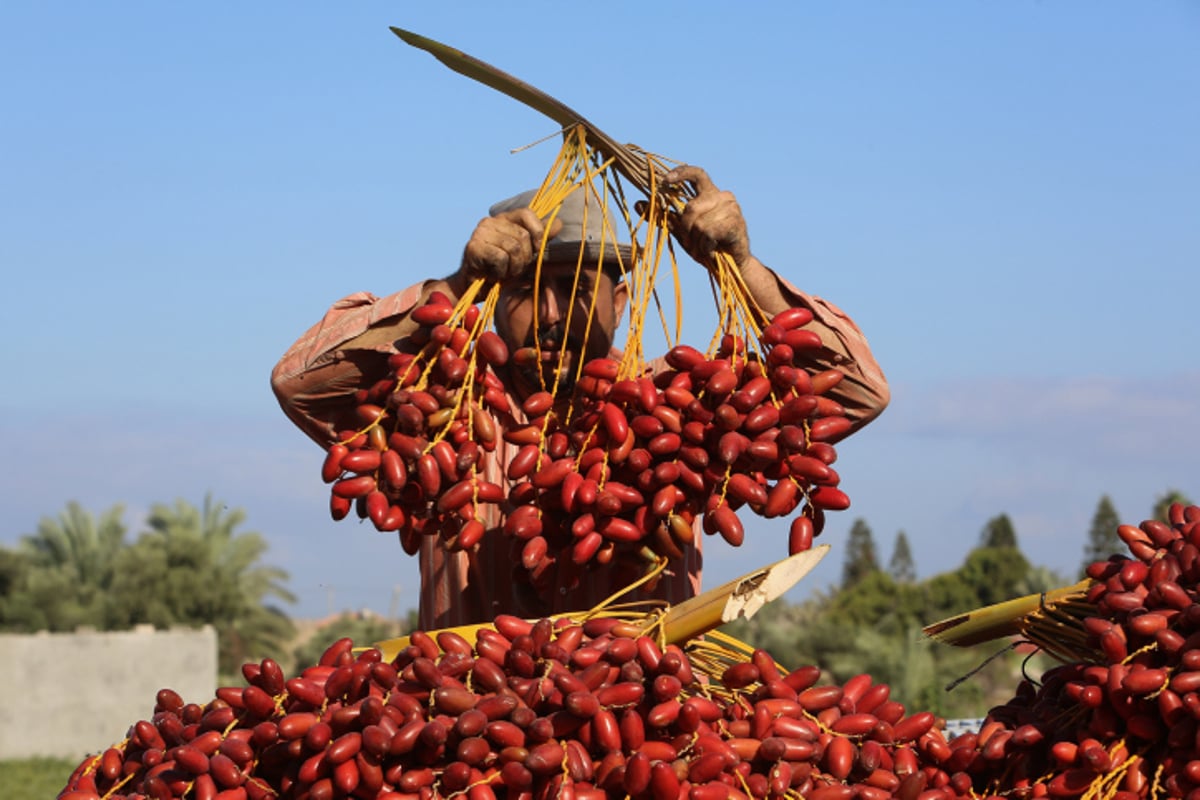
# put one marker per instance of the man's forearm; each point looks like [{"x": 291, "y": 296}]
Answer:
[{"x": 764, "y": 288}]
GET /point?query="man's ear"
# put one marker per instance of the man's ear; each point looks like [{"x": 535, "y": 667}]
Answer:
[{"x": 620, "y": 300}]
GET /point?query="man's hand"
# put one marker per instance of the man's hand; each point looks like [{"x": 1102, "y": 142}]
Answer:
[
  {"x": 711, "y": 222},
  {"x": 503, "y": 247}
]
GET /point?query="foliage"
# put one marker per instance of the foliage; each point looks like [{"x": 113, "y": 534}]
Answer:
[
  {"x": 1102, "y": 539},
  {"x": 901, "y": 566},
  {"x": 877, "y": 601},
  {"x": 947, "y": 594},
  {"x": 861, "y": 559},
  {"x": 205, "y": 572},
  {"x": 994, "y": 574},
  {"x": 62, "y": 574},
  {"x": 364, "y": 629},
  {"x": 19, "y": 609},
  {"x": 35, "y": 778},
  {"x": 998, "y": 532},
  {"x": 190, "y": 567}
]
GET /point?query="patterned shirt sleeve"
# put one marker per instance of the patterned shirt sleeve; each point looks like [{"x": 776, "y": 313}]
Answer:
[{"x": 347, "y": 350}]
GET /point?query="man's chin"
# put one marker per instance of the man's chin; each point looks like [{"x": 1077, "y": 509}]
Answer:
[{"x": 560, "y": 382}]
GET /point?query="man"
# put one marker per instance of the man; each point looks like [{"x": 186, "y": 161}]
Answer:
[{"x": 347, "y": 351}]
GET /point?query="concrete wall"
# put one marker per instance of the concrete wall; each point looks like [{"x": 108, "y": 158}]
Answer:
[{"x": 71, "y": 694}]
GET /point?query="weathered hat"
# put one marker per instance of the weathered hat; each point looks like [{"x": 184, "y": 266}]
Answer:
[{"x": 566, "y": 245}]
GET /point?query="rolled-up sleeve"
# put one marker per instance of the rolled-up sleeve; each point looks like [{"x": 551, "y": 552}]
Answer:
[{"x": 347, "y": 350}]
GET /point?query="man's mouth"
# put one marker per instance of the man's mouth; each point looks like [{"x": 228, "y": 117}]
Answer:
[
  {"x": 551, "y": 343},
  {"x": 550, "y": 340},
  {"x": 553, "y": 350}
]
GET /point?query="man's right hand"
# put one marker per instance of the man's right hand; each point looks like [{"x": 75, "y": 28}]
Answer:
[{"x": 503, "y": 247}]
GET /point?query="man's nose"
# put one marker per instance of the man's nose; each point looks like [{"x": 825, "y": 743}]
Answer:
[{"x": 551, "y": 306}]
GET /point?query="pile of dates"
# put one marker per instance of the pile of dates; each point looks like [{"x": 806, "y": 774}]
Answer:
[{"x": 532, "y": 711}]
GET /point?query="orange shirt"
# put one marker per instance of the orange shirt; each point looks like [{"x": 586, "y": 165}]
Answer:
[{"x": 315, "y": 382}]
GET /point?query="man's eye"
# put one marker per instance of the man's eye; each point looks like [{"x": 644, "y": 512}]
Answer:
[{"x": 566, "y": 287}]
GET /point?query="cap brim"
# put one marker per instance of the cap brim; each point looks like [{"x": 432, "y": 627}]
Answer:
[{"x": 570, "y": 252}]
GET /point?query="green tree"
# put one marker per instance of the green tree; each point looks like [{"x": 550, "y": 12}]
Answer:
[
  {"x": 1102, "y": 539},
  {"x": 13, "y": 568},
  {"x": 994, "y": 574},
  {"x": 998, "y": 532},
  {"x": 1162, "y": 505},
  {"x": 70, "y": 567},
  {"x": 947, "y": 594},
  {"x": 901, "y": 566},
  {"x": 193, "y": 567},
  {"x": 875, "y": 600},
  {"x": 861, "y": 559},
  {"x": 17, "y": 611}
]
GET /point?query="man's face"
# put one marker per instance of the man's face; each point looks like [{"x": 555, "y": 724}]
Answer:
[{"x": 574, "y": 343}]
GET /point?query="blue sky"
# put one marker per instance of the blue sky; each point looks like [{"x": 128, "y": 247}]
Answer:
[{"x": 1004, "y": 196}]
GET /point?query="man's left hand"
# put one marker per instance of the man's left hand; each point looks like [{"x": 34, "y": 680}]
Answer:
[{"x": 711, "y": 222}]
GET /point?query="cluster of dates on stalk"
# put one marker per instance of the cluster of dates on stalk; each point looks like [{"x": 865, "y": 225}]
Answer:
[
  {"x": 624, "y": 469},
  {"x": 1124, "y": 723},
  {"x": 413, "y": 465}
]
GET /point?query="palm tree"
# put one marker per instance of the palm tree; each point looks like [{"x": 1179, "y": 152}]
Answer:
[
  {"x": 71, "y": 564},
  {"x": 192, "y": 566}
]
